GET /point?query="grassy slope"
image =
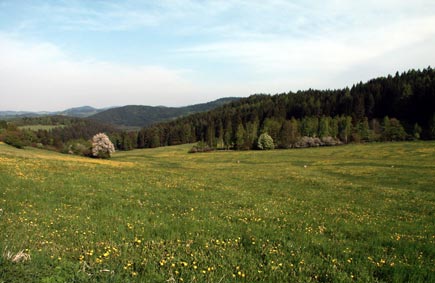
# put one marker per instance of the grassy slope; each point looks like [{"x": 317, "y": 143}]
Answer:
[{"x": 357, "y": 212}]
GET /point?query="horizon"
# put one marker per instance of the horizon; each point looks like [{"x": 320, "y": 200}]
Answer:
[
  {"x": 61, "y": 55},
  {"x": 203, "y": 102}
]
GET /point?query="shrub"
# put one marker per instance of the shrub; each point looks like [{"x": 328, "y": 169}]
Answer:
[
  {"x": 200, "y": 147},
  {"x": 14, "y": 139},
  {"x": 265, "y": 142},
  {"x": 330, "y": 141},
  {"x": 102, "y": 147},
  {"x": 314, "y": 142},
  {"x": 78, "y": 147},
  {"x": 307, "y": 142}
]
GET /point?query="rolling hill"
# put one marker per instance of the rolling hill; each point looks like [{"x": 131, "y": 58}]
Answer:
[
  {"x": 133, "y": 116},
  {"x": 80, "y": 112}
]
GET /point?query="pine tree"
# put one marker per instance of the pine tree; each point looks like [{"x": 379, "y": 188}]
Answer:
[
  {"x": 324, "y": 129},
  {"x": 240, "y": 137},
  {"x": 386, "y": 129},
  {"x": 432, "y": 127},
  {"x": 417, "y": 131}
]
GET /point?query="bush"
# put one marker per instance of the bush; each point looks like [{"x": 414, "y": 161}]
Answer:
[
  {"x": 265, "y": 142},
  {"x": 314, "y": 142},
  {"x": 308, "y": 142},
  {"x": 78, "y": 147},
  {"x": 201, "y": 147},
  {"x": 330, "y": 141},
  {"x": 14, "y": 139}
]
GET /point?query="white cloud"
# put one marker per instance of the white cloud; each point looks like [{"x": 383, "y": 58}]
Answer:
[
  {"x": 38, "y": 76},
  {"x": 324, "y": 56}
]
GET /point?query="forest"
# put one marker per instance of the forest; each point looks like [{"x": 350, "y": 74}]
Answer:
[
  {"x": 392, "y": 108},
  {"x": 388, "y": 108}
]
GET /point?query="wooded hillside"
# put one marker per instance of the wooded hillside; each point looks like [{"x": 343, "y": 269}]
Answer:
[{"x": 387, "y": 108}]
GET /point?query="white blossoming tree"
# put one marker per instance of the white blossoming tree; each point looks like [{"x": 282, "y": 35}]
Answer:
[
  {"x": 265, "y": 142},
  {"x": 102, "y": 147}
]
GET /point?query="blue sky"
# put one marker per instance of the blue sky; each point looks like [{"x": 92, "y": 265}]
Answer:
[{"x": 60, "y": 54}]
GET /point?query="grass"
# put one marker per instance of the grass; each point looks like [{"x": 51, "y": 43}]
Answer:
[{"x": 361, "y": 213}]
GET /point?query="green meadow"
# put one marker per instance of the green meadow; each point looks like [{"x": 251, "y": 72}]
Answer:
[{"x": 354, "y": 213}]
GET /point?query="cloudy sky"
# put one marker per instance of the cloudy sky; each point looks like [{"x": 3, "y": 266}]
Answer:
[{"x": 60, "y": 54}]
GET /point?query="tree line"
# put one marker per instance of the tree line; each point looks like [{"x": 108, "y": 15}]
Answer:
[
  {"x": 383, "y": 109},
  {"x": 65, "y": 134},
  {"x": 388, "y": 108}
]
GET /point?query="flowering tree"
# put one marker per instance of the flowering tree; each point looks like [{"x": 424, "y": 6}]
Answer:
[
  {"x": 265, "y": 142},
  {"x": 102, "y": 147}
]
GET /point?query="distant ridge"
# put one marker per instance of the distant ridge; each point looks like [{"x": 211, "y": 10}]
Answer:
[
  {"x": 79, "y": 112},
  {"x": 141, "y": 116}
]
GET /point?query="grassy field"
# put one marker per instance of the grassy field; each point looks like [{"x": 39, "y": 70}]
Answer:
[{"x": 361, "y": 213}]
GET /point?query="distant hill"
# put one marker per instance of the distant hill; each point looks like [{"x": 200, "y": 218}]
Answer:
[
  {"x": 79, "y": 112},
  {"x": 18, "y": 114},
  {"x": 141, "y": 116},
  {"x": 84, "y": 111}
]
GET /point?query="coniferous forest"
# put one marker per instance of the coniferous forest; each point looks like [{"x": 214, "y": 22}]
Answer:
[
  {"x": 392, "y": 108},
  {"x": 388, "y": 108}
]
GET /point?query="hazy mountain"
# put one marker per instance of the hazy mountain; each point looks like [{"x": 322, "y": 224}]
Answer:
[
  {"x": 84, "y": 111},
  {"x": 140, "y": 116},
  {"x": 80, "y": 112},
  {"x": 20, "y": 114}
]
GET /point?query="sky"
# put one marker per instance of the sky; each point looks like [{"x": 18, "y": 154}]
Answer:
[{"x": 68, "y": 53}]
